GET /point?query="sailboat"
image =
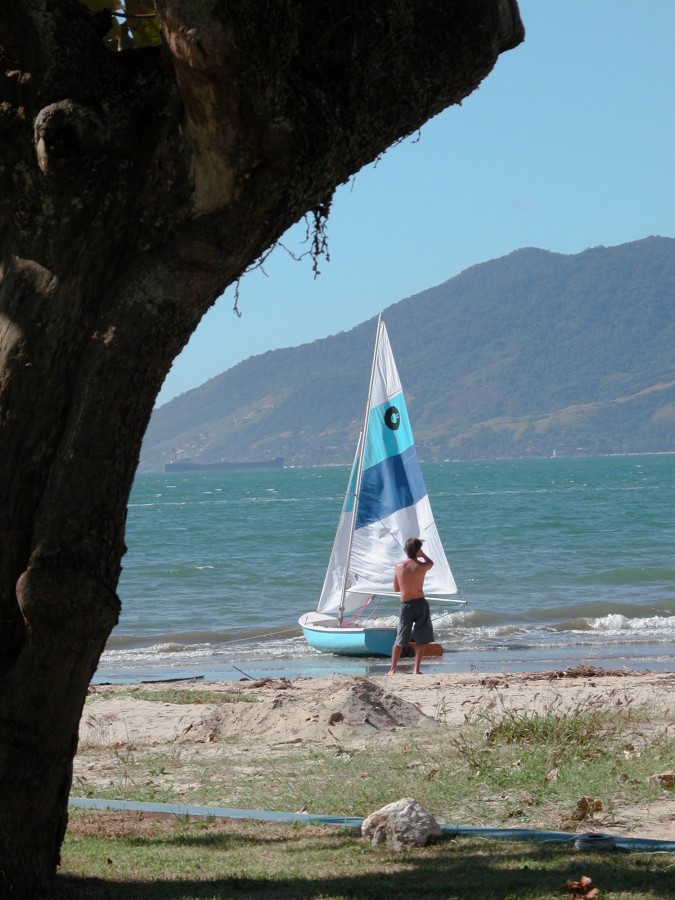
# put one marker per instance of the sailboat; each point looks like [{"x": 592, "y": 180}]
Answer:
[{"x": 385, "y": 504}]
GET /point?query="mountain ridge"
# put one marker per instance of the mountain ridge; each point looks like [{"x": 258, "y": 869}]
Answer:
[{"x": 512, "y": 357}]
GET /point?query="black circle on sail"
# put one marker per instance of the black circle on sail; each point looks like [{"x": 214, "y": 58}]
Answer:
[{"x": 392, "y": 418}]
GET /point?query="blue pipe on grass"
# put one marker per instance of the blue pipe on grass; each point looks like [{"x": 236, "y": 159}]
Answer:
[
  {"x": 588, "y": 841},
  {"x": 214, "y": 812}
]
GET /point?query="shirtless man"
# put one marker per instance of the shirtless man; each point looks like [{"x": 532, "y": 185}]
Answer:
[{"x": 409, "y": 580}]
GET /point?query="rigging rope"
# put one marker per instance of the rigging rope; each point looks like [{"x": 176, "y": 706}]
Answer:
[{"x": 359, "y": 611}]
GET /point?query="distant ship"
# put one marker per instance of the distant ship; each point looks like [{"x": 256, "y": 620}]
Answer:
[{"x": 186, "y": 465}]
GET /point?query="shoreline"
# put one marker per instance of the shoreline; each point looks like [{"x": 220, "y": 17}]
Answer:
[{"x": 502, "y": 661}]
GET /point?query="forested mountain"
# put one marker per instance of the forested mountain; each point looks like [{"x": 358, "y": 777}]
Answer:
[{"x": 519, "y": 356}]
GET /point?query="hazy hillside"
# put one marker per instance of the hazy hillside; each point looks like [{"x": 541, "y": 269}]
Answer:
[{"x": 519, "y": 356}]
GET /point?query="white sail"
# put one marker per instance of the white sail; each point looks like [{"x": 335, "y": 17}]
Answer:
[
  {"x": 386, "y": 502},
  {"x": 336, "y": 573}
]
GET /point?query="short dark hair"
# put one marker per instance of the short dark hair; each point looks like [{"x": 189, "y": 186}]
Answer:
[{"x": 412, "y": 547}]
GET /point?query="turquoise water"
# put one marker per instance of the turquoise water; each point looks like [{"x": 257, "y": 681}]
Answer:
[{"x": 561, "y": 561}]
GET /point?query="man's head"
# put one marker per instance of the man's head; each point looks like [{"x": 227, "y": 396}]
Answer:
[{"x": 413, "y": 547}]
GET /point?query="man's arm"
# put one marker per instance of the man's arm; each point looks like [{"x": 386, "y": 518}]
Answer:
[
  {"x": 426, "y": 561},
  {"x": 396, "y": 584}
]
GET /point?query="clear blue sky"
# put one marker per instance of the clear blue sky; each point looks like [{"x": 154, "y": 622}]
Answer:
[{"x": 569, "y": 143}]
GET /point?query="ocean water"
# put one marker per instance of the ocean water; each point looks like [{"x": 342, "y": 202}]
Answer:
[{"x": 561, "y": 561}]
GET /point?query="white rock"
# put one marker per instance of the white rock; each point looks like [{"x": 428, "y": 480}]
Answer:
[{"x": 401, "y": 825}]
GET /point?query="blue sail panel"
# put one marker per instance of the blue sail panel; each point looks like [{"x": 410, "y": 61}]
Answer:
[
  {"x": 392, "y": 484},
  {"x": 388, "y": 433}
]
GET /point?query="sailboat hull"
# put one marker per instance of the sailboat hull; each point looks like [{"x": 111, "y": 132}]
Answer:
[{"x": 325, "y": 635}]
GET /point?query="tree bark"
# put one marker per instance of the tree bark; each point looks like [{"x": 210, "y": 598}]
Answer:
[{"x": 134, "y": 188}]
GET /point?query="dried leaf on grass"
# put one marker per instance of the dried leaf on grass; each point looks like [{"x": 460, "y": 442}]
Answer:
[
  {"x": 586, "y": 806},
  {"x": 583, "y": 889},
  {"x": 664, "y": 779}
]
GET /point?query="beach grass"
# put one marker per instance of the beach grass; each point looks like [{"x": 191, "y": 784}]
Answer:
[
  {"x": 554, "y": 771},
  {"x": 581, "y": 770}
]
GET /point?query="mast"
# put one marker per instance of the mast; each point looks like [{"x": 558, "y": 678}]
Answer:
[{"x": 362, "y": 440}]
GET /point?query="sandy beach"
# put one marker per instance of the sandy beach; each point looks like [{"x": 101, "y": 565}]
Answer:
[{"x": 273, "y": 713}]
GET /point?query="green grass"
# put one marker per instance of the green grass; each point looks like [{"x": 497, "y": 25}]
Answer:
[{"x": 131, "y": 858}]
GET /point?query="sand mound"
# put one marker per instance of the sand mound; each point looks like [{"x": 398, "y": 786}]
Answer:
[{"x": 356, "y": 707}]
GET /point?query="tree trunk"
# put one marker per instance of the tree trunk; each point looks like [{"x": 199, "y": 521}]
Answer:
[{"x": 134, "y": 188}]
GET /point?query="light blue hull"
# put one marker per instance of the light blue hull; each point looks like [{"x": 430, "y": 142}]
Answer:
[{"x": 330, "y": 638}]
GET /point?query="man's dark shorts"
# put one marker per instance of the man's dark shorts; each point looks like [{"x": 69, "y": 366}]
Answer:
[{"x": 414, "y": 613}]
